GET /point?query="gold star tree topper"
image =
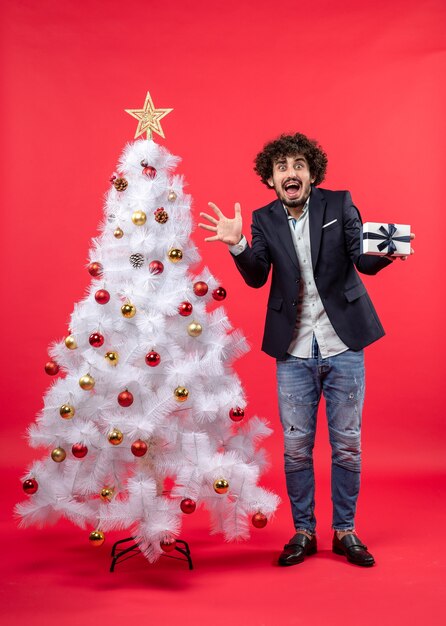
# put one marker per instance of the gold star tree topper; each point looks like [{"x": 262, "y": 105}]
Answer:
[{"x": 148, "y": 118}]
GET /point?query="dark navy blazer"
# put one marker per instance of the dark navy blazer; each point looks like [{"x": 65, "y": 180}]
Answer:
[{"x": 335, "y": 251}]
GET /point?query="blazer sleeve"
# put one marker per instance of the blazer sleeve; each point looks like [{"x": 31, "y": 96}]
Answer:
[
  {"x": 365, "y": 263},
  {"x": 254, "y": 262}
]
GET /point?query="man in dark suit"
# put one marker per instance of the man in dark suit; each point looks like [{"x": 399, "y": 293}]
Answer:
[{"x": 319, "y": 319}]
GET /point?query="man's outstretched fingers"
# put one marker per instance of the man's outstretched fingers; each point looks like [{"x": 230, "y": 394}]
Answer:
[
  {"x": 207, "y": 227},
  {"x": 215, "y": 208},
  {"x": 209, "y": 217}
]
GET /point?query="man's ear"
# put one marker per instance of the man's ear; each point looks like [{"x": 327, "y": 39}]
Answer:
[{"x": 270, "y": 182}]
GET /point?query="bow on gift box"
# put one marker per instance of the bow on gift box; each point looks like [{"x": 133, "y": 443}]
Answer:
[{"x": 388, "y": 238}]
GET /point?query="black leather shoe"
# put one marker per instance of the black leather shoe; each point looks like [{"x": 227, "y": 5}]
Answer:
[
  {"x": 352, "y": 547},
  {"x": 297, "y": 549}
]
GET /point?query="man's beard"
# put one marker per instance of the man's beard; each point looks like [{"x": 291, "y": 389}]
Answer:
[{"x": 293, "y": 204}]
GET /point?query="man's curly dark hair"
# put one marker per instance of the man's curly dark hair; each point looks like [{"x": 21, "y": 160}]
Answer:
[{"x": 289, "y": 145}]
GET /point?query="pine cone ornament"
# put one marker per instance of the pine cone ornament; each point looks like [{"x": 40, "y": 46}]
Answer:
[
  {"x": 120, "y": 184},
  {"x": 161, "y": 216},
  {"x": 137, "y": 260}
]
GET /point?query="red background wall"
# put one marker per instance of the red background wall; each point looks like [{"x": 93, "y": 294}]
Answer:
[{"x": 364, "y": 78}]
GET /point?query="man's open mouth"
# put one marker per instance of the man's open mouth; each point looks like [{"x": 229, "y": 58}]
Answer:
[{"x": 292, "y": 188}]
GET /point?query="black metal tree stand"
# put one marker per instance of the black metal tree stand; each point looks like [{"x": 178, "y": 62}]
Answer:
[{"x": 120, "y": 554}]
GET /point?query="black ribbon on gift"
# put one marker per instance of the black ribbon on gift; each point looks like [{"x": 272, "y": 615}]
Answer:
[{"x": 387, "y": 238}]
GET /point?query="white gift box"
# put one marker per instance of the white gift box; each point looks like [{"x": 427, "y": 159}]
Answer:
[{"x": 381, "y": 239}]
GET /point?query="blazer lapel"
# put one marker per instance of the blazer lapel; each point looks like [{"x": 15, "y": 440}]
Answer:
[
  {"x": 316, "y": 216},
  {"x": 282, "y": 228}
]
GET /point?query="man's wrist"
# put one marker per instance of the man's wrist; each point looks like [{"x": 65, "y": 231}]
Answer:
[{"x": 239, "y": 247}]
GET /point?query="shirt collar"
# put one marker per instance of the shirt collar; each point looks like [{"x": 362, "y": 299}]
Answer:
[{"x": 304, "y": 210}]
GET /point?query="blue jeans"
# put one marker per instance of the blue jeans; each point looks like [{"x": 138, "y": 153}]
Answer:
[{"x": 300, "y": 383}]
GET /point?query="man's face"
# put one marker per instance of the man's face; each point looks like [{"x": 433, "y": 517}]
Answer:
[{"x": 292, "y": 180}]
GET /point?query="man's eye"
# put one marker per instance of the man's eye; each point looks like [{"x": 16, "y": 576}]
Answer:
[{"x": 298, "y": 165}]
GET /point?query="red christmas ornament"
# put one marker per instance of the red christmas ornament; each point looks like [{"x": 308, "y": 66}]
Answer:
[
  {"x": 96, "y": 340},
  {"x": 236, "y": 414},
  {"x": 188, "y": 506},
  {"x": 149, "y": 171},
  {"x": 95, "y": 269},
  {"x": 219, "y": 294},
  {"x": 79, "y": 450},
  {"x": 102, "y": 296},
  {"x": 185, "y": 309},
  {"x": 168, "y": 545},
  {"x": 112, "y": 178},
  {"x": 200, "y": 288},
  {"x": 51, "y": 368},
  {"x": 125, "y": 398},
  {"x": 156, "y": 267},
  {"x": 259, "y": 520},
  {"x": 153, "y": 358},
  {"x": 30, "y": 486},
  {"x": 139, "y": 448}
]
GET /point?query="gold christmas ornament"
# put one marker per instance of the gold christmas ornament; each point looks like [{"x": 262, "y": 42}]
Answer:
[
  {"x": 181, "y": 394},
  {"x": 139, "y": 218},
  {"x": 70, "y": 342},
  {"x": 107, "y": 494},
  {"x": 171, "y": 196},
  {"x": 96, "y": 538},
  {"x": 221, "y": 485},
  {"x": 194, "y": 329},
  {"x": 175, "y": 255},
  {"x": 120, "y": 184},
  {"x": 118, "y": 233},
  {"x": 86, "y": 382},
  {"x": 67, "y": 411},
  {"x": 112, "y": 358},
  {"x": 58, "y": 455},
  {"x": 148, "y": 118},
  {"x": 128, "y": 310},
  {"x": 115, "y": 437}
]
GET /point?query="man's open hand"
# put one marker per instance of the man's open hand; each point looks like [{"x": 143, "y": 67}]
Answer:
[{"x": 227, "y": 230}]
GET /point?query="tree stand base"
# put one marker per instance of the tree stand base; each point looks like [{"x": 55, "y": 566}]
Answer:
[{"x": 120, "y": 553}]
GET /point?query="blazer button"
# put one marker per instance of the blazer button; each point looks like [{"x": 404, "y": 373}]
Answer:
[
  {"x": 294, "y": 303},
  {"x": 297, "y": 281}
]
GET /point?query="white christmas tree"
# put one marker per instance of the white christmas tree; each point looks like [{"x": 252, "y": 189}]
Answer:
[{"x": 147, "y": 391}]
